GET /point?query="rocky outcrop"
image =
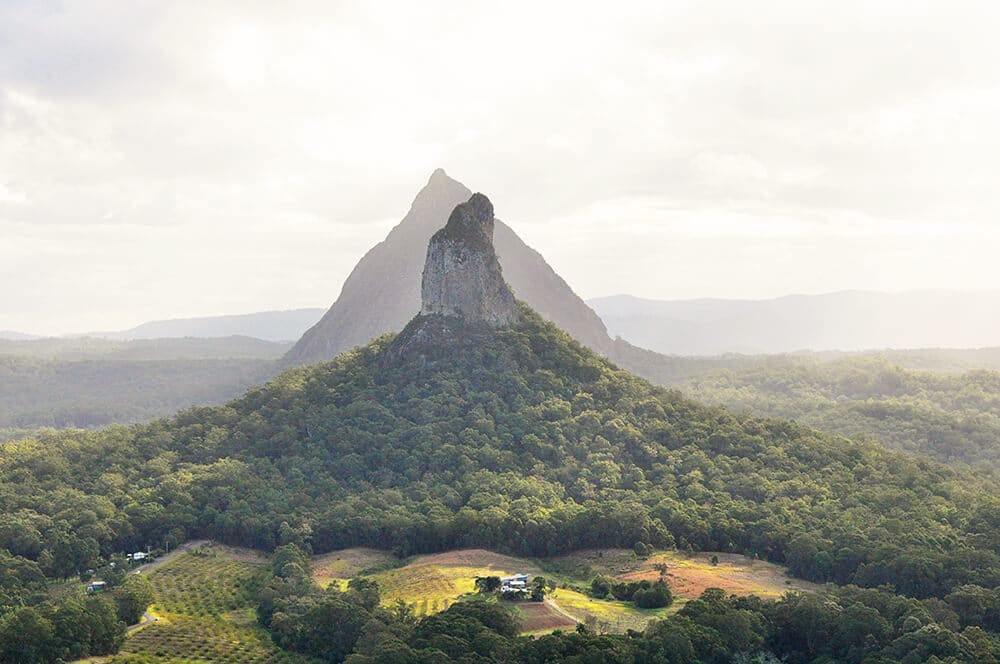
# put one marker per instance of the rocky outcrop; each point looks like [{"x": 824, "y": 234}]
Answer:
[
  {"x": 383, "y": 291},
  {"x": 462, "y": 275}
]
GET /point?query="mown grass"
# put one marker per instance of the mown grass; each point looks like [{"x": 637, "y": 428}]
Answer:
[
  {"x": 608, "y": 615},
  {"x": 204, "y": 602},
  {"x": 428, "y": 589},
  {"x": 339, "y": 567}
]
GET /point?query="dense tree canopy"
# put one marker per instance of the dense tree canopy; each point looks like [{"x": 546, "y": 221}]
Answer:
[
  {"x": 949, "y": 417},
  {"x": 89, "y": 393}
]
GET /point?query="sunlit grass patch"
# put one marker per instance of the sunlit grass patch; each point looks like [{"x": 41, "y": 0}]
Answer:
[
  {"x": 339, "y": 566},
  {"x": 607, "y": 615},
  {"x": 428, "y": 588}
]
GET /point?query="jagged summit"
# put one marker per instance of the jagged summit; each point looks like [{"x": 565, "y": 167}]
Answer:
[
  {"x": 384, "y": 290},
  {"x": 471, "y": 222},
  {"x": 462, "y": 275}
]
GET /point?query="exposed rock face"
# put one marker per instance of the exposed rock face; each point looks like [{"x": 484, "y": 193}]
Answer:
[
  {"x": 383, "y": 291},
  {"x": 462, "y": 276}
]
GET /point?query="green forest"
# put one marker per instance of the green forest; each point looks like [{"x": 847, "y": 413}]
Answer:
[
  {"x": 450, "y": 435},
  {"x": 37, "y": 393},
  {"x": 954, "y": 418}
]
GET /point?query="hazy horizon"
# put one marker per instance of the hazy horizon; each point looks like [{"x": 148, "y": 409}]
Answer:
[
  {"x": 174, "y": 161},
  {"x": 322, "y": 308}
]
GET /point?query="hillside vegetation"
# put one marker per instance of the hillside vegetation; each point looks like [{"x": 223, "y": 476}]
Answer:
[
  {"x": 37, "y": 393},
  {"x": 517, "y": 440},
  {"x": 950, "y": 417},
  {"x": 935, "y": 403}
]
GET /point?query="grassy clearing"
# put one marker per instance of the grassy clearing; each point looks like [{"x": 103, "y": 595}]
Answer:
[
  {"x": 428, "y": 588},
  {"x": 432, "y": 583},
  {"x": 427, "y": 584},
  {"x": 687, "y": 574},
  {"x": 205, "y": 603},
  {"x": 341, "y": 566},
  {"x": 608, "y": 615}
]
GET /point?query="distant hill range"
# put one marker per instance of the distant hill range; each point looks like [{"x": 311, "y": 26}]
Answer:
[
  {"x": 267, "y": 325},
  {"x": 847, "y": 320},
  {"x": 7, "y": 335},
  {"x": 382, "y": 293},
  {"x": 77, "y": 349}
]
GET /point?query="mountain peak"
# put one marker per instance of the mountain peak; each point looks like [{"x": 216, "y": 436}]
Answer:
[
  {"x": 439, "y": 176},
  {"x": 462, "y": 275},
  {"x": 383, "y": 291}
]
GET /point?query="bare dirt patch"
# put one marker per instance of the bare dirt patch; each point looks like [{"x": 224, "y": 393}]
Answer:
[{"x": 540, "y": 617}]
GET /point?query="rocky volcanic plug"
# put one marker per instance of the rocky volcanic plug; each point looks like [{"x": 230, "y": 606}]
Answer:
[
  {"x": 384, "y": 291},
  {"x": 462, "y": 276}
]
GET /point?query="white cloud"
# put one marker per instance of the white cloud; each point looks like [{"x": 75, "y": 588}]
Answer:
[{"x": 198, "y": 157}]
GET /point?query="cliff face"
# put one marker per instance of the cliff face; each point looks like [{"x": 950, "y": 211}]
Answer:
[
  {"x": 383, "y": 292},
  {"x": 462, "y": 276}
]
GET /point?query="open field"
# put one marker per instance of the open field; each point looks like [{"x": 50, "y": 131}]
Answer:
[
  {"x": 205, "y": 596},
  {"x": 608, "y": 615},
  {"x": 432, "y": 583},
  {"x": 340, "y": 566},
  {"x": 687, "y": 575},
  {"x": 542, "y": 617},
  {"x": 204, "y": 610}
]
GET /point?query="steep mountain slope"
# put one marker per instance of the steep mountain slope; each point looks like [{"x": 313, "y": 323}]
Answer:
[
  {"x": 382, "y": 293},
  {"x": 849, "y": 320}
]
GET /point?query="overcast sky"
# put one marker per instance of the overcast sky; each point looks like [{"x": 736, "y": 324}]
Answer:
[{"x": 190, "y": 158}]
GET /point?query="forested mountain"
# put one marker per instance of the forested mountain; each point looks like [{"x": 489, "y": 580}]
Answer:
[
  {"x": 848, "y": 320},
  {"x": 517, "y": 439},
  {"x": 382, "y": 293},
  {"x": 458, "y": 435},
  {"x": 925, "y": 402},
  {"x": 481, "y": 424}
]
